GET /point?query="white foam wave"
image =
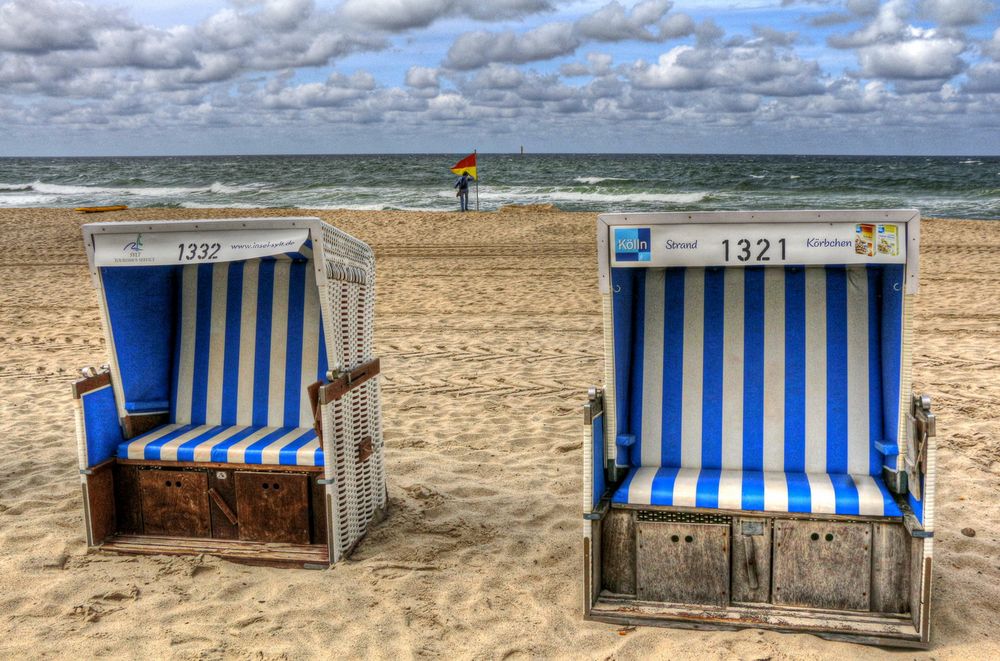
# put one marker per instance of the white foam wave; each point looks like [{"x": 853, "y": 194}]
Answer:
[
  {"x": 971, "y": 162},
  {"x": 597, "y": 180},
  {"x": 757, "y": 176},
  {"x": 14, "y": 187},
  {"x": 529, "y": 197},
  {"x": 27, "y": 200},
  {"x": 139, "y": 191}
]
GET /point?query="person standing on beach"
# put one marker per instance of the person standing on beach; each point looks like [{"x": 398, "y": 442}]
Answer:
[{"x": 463, "y": 190}]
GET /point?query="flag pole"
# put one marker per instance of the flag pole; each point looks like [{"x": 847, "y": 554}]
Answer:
[{"x": 476, "y": 151}]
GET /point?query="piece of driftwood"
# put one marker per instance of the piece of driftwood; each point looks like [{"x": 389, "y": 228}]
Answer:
[
  {"x": 822, "y": 564},
  {"x": 175, "y": 503},
  {"x": 686, "y": 563},
  {"x": 890, "y": 568},
  {"x": 618, "y": 552},
  {"x": 751, "y": 560},
  {"x": 222, "y": 498},
  {"x": 312, "y": 556},
  {"x": 273, "y": 507}
]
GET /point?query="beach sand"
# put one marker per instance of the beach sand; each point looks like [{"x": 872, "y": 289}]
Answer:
[{"x": 489, "y": 329}]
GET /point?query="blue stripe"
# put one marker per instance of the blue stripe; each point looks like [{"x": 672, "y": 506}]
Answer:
[
  {"x": 253, "y": 454},
  {"x": 202, "y": 342},
  {"x": 799, "y": 493},
  {"x": 287, "y": 455},
  {"x": 621, "y": 493},
  {"x": 151, "y": 450},
  {"x": 795, "y": 369},
  {"x": 622, "y": 304},
  {"x": 874, "y": 372},
  {"x": 262, "y": 356},
  {"x": 846, "y": 493},
  {"x": 639, "y": 346},
  {"x": 597, "y": 442},
  {"x": 293, "y": 352},
  {"x": 220, "y": 452},
  {"x": 711, "y": 405},
  {"x": 662, "y": 491},
  {"x": 753, "y": 369},
  {"x": 231, "y": 363},
  {"x": 891, "y": 334},
  {"x": 707, "y": 494},
  {"x": 753, "y": 490},
  {"x": 836, "y": 370},
  {"x": 673, "y": 364},
  {"x": 322, "y": 363}
]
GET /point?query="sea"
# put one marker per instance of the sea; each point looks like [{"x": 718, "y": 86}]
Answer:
[{"x": 957, "y": 187}]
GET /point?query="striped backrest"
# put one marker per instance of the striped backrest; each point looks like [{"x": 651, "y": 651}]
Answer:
[
  {"x": 249, "y": 343},
  {"x": 775, "y": 369}
]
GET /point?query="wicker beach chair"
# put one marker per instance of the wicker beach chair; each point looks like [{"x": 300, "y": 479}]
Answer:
[
  {"x": 757, "y": 458},
  {"x": 239, "y": 413}
]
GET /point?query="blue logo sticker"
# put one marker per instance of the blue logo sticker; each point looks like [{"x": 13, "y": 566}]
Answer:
[{"x": 632, "y": 244}]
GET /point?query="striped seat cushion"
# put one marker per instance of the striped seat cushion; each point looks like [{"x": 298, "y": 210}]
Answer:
[
  {"x": 238, "y": 444},
  {"x": 758, "y": 491}
]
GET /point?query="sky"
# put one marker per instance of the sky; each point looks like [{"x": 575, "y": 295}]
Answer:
[{"x": 178, "y": 77}]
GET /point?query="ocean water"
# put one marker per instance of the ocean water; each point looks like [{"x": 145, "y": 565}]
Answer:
[{"x": 963, "y": 187}]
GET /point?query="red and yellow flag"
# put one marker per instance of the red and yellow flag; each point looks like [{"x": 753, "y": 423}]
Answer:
[{"x": 467, "y": 164}]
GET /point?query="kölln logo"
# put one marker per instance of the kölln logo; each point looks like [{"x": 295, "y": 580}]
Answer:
[{"x": 632, "y": 244}]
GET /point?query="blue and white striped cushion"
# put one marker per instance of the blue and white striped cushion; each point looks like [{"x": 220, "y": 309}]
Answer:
[
  {"x": 249, "y": 342},
  {"x": 239, "y": 444},
  {"x": 760, "y": 491}
]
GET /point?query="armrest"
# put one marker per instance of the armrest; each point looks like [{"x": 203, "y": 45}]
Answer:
[
  {"x": 97, "y": 426},
  {"x": 593, "y": 451}
]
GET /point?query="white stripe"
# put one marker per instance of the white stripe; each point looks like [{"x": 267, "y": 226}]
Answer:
[
  {"x": 237, "y": 453},
  {"x": 693, "y": 371},
  {"x": 652, "y": 369},
  {"x": 732, "y": 371},
  {"x": 731, "y": 490},
  {"x": 815, "y": 457},
  {"x": 857, "y": 371},
  {"x": 248, "y": 342},
  {"x": 310, "y": 348},
  {"x": 279, "y": 344},
  {"x": 640, "y": 489},
  {"x": 686, "y": 487},
  {"x": 137, "y": 447},
  {"x": 774, "y": 370},
  {"x": 272, "y": 453},
  {"x": 822, "y": 495},
  {"x": 189, "y": 318},
  {"x": 775, "y": 492},
  {"x": 871, "y": 501},
  {"x": 217, "y": 345}
]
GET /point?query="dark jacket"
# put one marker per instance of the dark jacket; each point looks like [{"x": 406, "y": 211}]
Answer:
[{"x": 463, "y": 183}]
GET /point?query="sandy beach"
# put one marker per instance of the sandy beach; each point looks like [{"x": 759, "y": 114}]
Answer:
[{"x": 489, "y": 329}]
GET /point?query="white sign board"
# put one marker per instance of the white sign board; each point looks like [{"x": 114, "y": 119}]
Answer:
[
  {"x": 749, "y": 244},
  {"x": 172, "y": 248}
]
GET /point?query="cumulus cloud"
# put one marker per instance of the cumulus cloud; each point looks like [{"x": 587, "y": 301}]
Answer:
[
  {"x": 914, "y": 59},
  {"x": 613, "y": 22},
  {"x": 956, "y": 12},
  {"x": 472, "y": 50},
  {"x": 399, "y": 15}
]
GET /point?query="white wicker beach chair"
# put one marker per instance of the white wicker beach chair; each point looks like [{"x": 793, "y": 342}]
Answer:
[
  {"x": 757, "y": 458},
  {"x": 239, "y": 414}
]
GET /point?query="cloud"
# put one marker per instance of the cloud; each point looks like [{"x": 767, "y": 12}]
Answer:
[
  {"x": 43, "y": 26},
  {"x": 400, "y": 15},
  {"x": 472, "y": 50},
  {"x": 613, "y": 22},
  {"x": 915, "y": 59},
  {"x": 956, "y": 13}
]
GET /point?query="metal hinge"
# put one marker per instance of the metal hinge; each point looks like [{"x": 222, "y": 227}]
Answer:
[
  {"x": 325, "y": 482},
  {"x": 594, "y": 406}
]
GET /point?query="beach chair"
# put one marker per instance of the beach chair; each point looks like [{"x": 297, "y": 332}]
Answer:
[
  {"x": 239, "y": 412},
  {"x": 756, "y": 458}
]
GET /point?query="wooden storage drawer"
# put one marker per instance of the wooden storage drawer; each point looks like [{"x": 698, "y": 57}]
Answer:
[
  {"x": 822, "y": 564},
  {"x": 175, "y": 503},
  {"x": 684, "y": 563},
  {"x": 273, "y": 507}
]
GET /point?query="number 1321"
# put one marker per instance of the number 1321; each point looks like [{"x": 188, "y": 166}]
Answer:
[{"x": 747, "y": 251}]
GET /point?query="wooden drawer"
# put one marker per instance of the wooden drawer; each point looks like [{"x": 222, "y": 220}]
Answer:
[
  {"x": 822, "y": 564},
  {"x": 273, "y": 507},
  {"x": 682, "y": 563},
  {"x": 175, "y": 503}
]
